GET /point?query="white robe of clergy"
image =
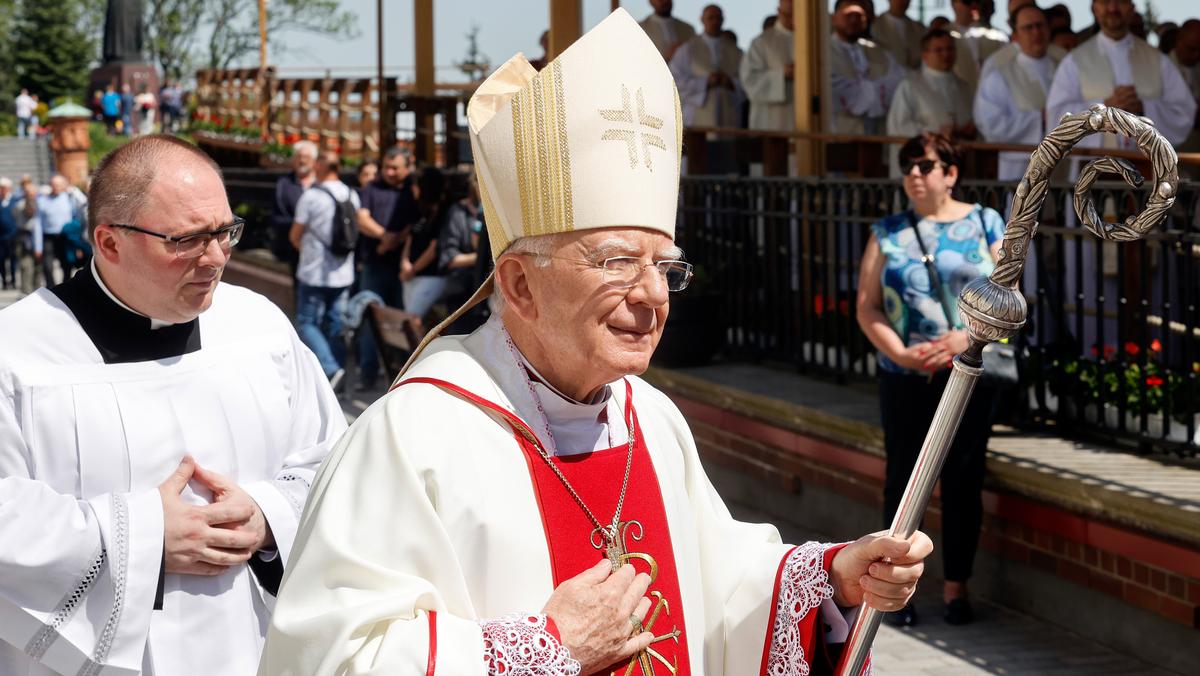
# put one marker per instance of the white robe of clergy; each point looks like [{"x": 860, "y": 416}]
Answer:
[
  {"x": 666, "y": 32},
  {"x": 1008, "y": 53},
  {"x": 426, "y": 546},
  {"x": 1010, "y": 107},
  {"x": 1191, "y": 75},
  {"x": 1091, "y": 72},
  {"x": 97, "y": 408},
  {"x": 706, "y": 106},
  {"x": 976, "y": 44},
  {"x": 901, "y": 37},
  {"x": 769, "y": 92},
  {"x": 863, "y": 78},
  {"x": 926, "y": 101}
]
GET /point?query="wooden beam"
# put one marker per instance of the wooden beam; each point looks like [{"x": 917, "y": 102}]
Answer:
[
  {"x": 809, "y": 33},
  {"x": 566, "y": 25},
  {"x": 615, "y": 5},
  {"x": 382, "y": 106},
  {"x": 424, "y": 83}
]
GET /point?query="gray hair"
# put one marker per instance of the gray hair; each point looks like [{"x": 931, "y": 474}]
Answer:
[
  {"x": 537, "y": 246},
  {"x": 5, "y": 182},
  {"x": 304, "y": 146}
]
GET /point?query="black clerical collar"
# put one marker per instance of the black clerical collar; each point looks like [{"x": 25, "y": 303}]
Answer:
[{"x": 119, "y": 334}]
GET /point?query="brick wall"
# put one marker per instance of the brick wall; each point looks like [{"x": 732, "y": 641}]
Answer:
[{"x": 1142, "y": 570}]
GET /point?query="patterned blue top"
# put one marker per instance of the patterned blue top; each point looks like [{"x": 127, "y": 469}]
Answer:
[{"x": 961, "y": 253}]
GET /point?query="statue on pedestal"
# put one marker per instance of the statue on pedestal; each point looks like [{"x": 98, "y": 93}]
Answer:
[{"x": 123, "y": 32}]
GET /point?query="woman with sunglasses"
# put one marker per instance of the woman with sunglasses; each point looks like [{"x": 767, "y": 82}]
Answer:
[{"x": 915, "y": 264}]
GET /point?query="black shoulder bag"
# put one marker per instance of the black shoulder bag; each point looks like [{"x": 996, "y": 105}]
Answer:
[{"x": 999, "y": 359}]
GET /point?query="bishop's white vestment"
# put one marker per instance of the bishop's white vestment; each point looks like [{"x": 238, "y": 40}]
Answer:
[
  {"x": 436, "y": 532},
  {"x": 1010, "y": 107},
  {"x": 769, "y": 92},
  {"x": 97, "y": 408}
]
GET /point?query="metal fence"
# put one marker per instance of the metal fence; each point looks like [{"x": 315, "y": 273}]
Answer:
[{"x": 1112, "y": 346}]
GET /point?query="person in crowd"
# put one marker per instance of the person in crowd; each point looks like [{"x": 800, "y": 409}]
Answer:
[
  {"x": 420, "y": 276},
  {"x": 148, "y": 520},
  {"x": 147, "y": 108},
  {"x": 1008, "y": 53},
  {"x": 25, "y": 107},
  {"x": 1186, "y": 56},
  {"x": 899, "y": 35},
  {"x": 767, "y": 71},
  {"x": 389, "y": 210},
  {"x": 368, "y": 171},
  {"x": 706, "y": 73},
  {"x": 128, "y": 109},
  {"x": 288, "y": 190},
  {"x": 1059, "y": 17},
  {"x": 863, "y": 75},
  {"x": 544, "y": 42},
  {"x": 940, "y": 23},
  {"x": 323, "y": 275},
  {"x": 56, "y": 210},
  {"x": 1120, "y": 70},
  {"x": 1010, "y": 104},
  {"x": 769, "y": 21},
  {"x": 171, "y": 104},
  {"x": 976, "y": 41},
  {"x": 110, "y": 107},
  {"x": 912, "y": 320},
  {"x": 666, "y": 32},
  {"x": 458, "y": 251},
  {"x": 1065, "y": 39},
  {"x": 8, "y": 232},
  {"x": 27, "y": 244},
  {"x": 471, "y": 522},
  {"x": 1137, "y": 25},
  {"x": 932, "y": 99},
  {"x": 1166, "y": 33}
]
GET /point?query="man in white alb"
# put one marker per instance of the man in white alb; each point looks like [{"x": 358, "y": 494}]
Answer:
[
  {"x": 899, "y": 35},
  {"x": 1186, "y": 55},
  {"x": 863, "y": 76},
  {"x": 159, "y": 431},
  {"x": 706, "y": 72},
  {"x": 1010, "y": 104},
  {"x": 767, "y": 71},
  {"x": 977, "y": 41},
  {"x": 1007, "y": 53},
  {"x": 1120, "y": 70},
  {"x": 665, "y": 31},
  {"x": 520, "y": 502},
  {"x": 932, "y": 99}
]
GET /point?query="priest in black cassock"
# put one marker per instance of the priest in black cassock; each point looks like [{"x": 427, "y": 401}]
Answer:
[{"x": 159, "y": 431}]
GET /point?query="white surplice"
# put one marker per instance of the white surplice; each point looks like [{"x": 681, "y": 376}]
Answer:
[
  {"x": 84, "y": 445},
  {"x": 666, "y": 32},
  {"x": 926, "y": 101},
  {"x": 424, "y": 534},
  {"x": 863, "y": 78},
  {"x": 769, "y": 92},
  {"x": 1010, "y": 107},
  {"x": 901, "y": 37},
  {"x": 975, "y": 45},
  {"x": 1191, "y": 75},
  {"x": 706, "y": 106}
]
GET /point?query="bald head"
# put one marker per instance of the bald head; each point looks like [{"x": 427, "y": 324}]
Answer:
[{"x": 122, "y": 180}]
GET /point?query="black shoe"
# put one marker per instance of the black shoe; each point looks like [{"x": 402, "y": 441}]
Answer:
[
  {"x": 905, "y": 617},
  {"x": 959, "y": 612}
]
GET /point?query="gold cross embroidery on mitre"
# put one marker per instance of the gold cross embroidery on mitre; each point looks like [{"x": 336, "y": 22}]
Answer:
[
  {"x": 618, "y": 553},
  {"x": 630, "y": 136}
]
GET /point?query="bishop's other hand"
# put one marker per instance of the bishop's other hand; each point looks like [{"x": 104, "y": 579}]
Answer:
[
  {"x": 879, "y": 570},
  {"x": 193, "y": 544},
  {"x": 594, "y": 613}
]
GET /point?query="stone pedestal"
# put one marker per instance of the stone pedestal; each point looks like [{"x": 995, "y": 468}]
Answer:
[
  {"x": 69, "y": 141},
  {"x": 136, "y": 75}
]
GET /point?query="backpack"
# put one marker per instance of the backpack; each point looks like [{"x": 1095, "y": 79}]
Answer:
[{"x": 344, "y": 232}]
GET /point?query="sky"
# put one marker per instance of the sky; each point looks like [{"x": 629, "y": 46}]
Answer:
[{"x": 510, "y": 26}]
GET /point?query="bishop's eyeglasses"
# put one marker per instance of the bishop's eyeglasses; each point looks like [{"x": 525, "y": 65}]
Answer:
[
  {"x": 622, "y": 272},
  {"x": 194, "y": 246}
]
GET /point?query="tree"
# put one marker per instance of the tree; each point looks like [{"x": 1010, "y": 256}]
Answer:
[
  {"x": 235, "y": 25},
  {"x": 52, "y": 53},
  {"x": 1150, "y": 17},
  {"x": 8, "y": 80},
  {"x": 171, "y": 27}
]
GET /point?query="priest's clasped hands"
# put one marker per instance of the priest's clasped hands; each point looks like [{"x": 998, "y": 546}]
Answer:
[{"x": 209, "y": 539}]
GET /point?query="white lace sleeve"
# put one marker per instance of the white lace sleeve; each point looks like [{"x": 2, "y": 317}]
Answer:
[
  {"x": 521, "y": 645},
  {"x": 803, "y": 586}
]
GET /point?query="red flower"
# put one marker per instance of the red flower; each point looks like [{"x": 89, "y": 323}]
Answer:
[
  {"x": 1131, "y": 349},
  {"x": 1155, "y": 346},
  {"x": 1154, "y": 381}
]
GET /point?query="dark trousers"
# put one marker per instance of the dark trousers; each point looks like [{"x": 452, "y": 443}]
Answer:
[
  {"x": 908, "y": 403},
  {"x": 384, "y": 280},
  {"x": 55, "y": 248}
]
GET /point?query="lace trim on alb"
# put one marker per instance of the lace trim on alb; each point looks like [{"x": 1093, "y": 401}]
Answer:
[
  {"x": 36, "y": 648},
  {"x": 289, "y": 480},
  {"x": 119, "y": 560},
  {"x": 803, "y": 585},
  {"x": 520, "y": 645}
]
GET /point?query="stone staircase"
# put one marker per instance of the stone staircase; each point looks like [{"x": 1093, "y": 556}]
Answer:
[{"x": 19, "y": 156}]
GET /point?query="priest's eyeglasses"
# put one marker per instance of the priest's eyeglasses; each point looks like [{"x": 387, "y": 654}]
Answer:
[
  {"x": 622, "y": 272},
  {"x": 194, "y": 246}
]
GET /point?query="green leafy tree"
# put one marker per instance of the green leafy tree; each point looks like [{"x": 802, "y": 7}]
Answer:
[
  {"x": 171, "y": 27},
  {"x": 1150, "y": 17},
  {"x": 235, "y": 25},
  {"x": 52, "y": 51},
  {"x": 8, "y": 80}
]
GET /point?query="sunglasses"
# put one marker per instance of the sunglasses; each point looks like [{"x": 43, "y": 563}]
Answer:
[{"x": 924, "y": 166}]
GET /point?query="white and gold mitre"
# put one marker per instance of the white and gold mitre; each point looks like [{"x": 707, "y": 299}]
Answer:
[{"x": 592, "y": 141}]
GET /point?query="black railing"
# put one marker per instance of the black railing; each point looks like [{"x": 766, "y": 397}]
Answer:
[{"x": 1113, "y": 339}]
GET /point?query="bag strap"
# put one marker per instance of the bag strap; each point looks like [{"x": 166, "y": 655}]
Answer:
[
  {"x": 337, "y": 203},
  {"x": 935, "y": 282}
]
